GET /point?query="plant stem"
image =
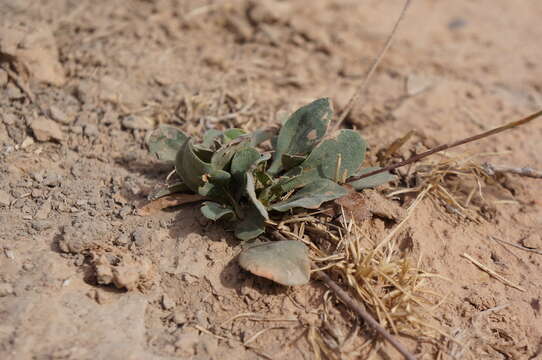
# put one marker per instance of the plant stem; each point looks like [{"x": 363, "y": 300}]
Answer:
[
  {"x": 360, "y": 310},
  {"x": 443, "y": 147}
]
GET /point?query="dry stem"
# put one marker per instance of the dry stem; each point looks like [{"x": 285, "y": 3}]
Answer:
[
  {"x": 443, "y": 147},
  {"x": 360, "y": 310},
  {"x": 363, "y": 86}
]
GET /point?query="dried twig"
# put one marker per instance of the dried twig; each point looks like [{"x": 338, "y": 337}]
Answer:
[
  {"x": 363, "y": 86},
  {"x": 443, "y": 147},
  {"x": 360, "y": 310},
  {"x": 524, "y": 248},
  {"x": 493, "y": 273},
  {"x": 491, "y": 169}
]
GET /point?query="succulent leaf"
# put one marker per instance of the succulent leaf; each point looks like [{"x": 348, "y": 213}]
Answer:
[
  {"x": 371, "y": 181},
  {"x": 172, "y": 189},
  {"x": 251, "y": 192},
  {"x": 232, "y": 134},
  {"x": 165, "y": 142},
  {"x": 215, "y": 211},
  {"x": 252, "y": 226},
  {"x": 312, "y": 196},
  {"x": 337, "y": 157},
  {"x": 302, "y": 131},
  {"x": 190, "y": 167}
]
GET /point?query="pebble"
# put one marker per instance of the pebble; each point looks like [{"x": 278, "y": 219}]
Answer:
[
  {"x": 44, "y": 211},
  {"x": 140, "y": 237},
  {"x": 51, "y": 179},
  {"x": 179, "y": 317},
  {"x": 167, "y": 303},
  {"x": 91, "y": 130},
  {"x": 5, "y": 198},
  {"x": 3, "y": 77},
  {"x": 136, "y": 122},
  {"x": 40, "y": 225},
  {"x": 533, "y": 241},
  {"x": 46, "y": 130},
  {"x": 60, "y": 116},
  {"x": 5, "y": 289}
]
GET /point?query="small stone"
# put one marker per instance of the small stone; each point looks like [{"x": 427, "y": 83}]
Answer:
[
  {"x": 122, "y": 240},
  {"x": 91, "y": 130},
  {"x": 44, "y": 211},
  {"x": 137, "y": 122},
  {"x": 179, "y": 317},
  {"x": 417, "y": 84},
  {"x": 3, "y": 77},
  {"x": 104, "y": 274},
  {"x": 40, "y": 225},
  {"x": 13, "y": 92},
  {"x": 533, "y": 241},
  {"x": 27, "y": 142},
  {"x": 167, "y": 303},
  {"x": 45, "y": 130},
  {"x": 5, "y": 198},
  {"x": 60, "y": 116},
  {"x": 51, "y": 179},
  {"x": 28, "y": 266},
  {"x": 5, "y": 289},
  {"x": 76, "y": 129},
  {"x": 140, "y": 237}
]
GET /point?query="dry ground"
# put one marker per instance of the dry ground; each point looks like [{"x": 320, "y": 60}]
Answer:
[{"x": 67, "y": 202}]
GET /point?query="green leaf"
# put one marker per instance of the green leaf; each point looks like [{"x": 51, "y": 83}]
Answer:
[
  {"x": 252, "y": 226},
  {"x": 220, "y": 177},
  {"x": 209, "y": 138},
  {"x": 232, "y": 134},
  {"x": 259, "y": 136},
  {"x": 242, "y": 162},
  {"x": 312, "y": 196},
  {"x": 221, "y": 159},
  {"x": 251, "y": 192},
  {"x": 371, "y": 181},
  {"x": 172, "y": 189},
  {"x": 346, "y": 149},
  {"x": 302, "y": 131},
  {"x": 215, "y": 211},
  {"x": 190, "y": 167},
  {"x": 291, "y": 161},
  {"x": 165, "y": 142}
]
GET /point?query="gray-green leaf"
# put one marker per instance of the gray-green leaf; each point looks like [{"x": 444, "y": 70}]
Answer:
[
  {"x": 252, "y": 226},
  {"x": 337, "y": 157},
  {"x": 312, "y": 196},
  {"x": 215, "y": 211},
  {"x": 371, "y": 181},
  {"x": 302, "y": 131},
  {"x": 251, "y": 191},
  {"x": 190, "y": 167},
  {"x": 165, "y": 142}
]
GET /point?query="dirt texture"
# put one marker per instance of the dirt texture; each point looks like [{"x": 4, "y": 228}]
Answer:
[{"x": 82, "y": 83}]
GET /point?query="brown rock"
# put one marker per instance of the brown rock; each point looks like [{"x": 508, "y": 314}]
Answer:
[{"x": 45, "y": 130}]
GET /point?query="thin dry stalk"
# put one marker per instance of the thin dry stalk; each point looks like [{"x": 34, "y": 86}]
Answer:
[
  {"x": 493, "y": 273},
  {"x": 524, "y": 171},
  {"x": 363, "y": 86},
  {"x": 444, "y": 147},
  {"x": 517, "y": 246}
]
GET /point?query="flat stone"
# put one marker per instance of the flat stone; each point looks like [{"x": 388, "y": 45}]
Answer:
[
  {"x": 5, "y": 198},
  {"x": 60, "y": 116},
  {"x": 136, "y": 122},
  {"x": 46, "y": 130}
]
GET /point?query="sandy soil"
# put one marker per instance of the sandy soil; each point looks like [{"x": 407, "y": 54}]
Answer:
[{"x": 74, "y": 167}]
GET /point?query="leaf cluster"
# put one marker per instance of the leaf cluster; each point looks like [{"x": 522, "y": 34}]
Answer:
[{"x": 243, "y": 183}]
